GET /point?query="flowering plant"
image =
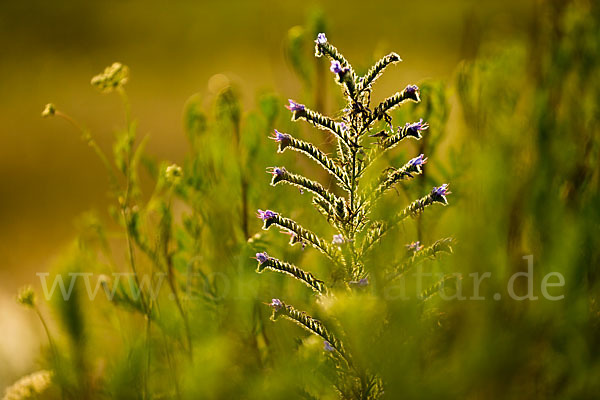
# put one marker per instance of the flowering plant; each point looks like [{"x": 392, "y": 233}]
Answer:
[{"x": 350, "y": 216}]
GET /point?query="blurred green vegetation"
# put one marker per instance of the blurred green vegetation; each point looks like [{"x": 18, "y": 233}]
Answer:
[{"x": 514, "y": 130}]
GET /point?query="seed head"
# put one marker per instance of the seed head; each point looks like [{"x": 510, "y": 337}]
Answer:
[
  {"x": 26, "y": 297},
  {"x": 173, "y": 173},
  {"x": 49, "y": 110},
  {"x": 113, "y": 77}
]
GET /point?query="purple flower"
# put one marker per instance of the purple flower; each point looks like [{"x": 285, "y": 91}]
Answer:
[
  {"x": 441, "y": 191},
  {"x": 327, "y": 346},
  {"x": 336, "y": 67},
  {"x": 418, "y": 161},
  {"x": 416, "y": 246},
  {"x": 276, "y": 304},
  {"x": 321, "y": 38},
  {"x": 343, "y": 126},
  {"x": 276, "y": 171},
  {"x": 294, "y": 107},
  {"x": 265, "y": 215},
  {"x": 415, "y": 128},
  {"x": 412, "y": 92},
  {"x": 439, "y": 194},
  {"x": 280, "y": 137},
  {"x": 262, "y": 257},
  {"x": 338, "y": 239}
]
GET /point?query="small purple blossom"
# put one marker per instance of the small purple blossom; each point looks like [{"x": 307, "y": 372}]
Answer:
[
  {"x": 439, "y": 194},
  {"x": 327, "y": 346},
  {"x": 280, "y": 137},
  {"x": 416, "y": 246},
  {"x": 412, "y": 91},
  {"x": 262, "y": 257},
  {"x": 441, "y": 191},
  {"x": 336, "y": 67},
  {"x": 321, "y": 38},
  {"x": 276, "y": 171},
  {"x": 294, "y": 107},
  {"x": 418, "y": 161},
  {"x": 276, "y": 304},
  {"x": 338, "y": 239},
  {"x": 416, "y": 128},
  {"x": 343, "y": 126},
  {"x": 265, "y": 215}
]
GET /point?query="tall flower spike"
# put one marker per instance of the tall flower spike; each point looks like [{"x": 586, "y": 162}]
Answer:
[{"x": 349, "y": 215}]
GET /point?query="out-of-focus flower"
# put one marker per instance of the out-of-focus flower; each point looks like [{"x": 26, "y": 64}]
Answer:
[
  {"x": 327, "y": 346},
  {"x": 29, "y": 387},
  {"x": 113, "y": 77},
  {"x": 49, "y": 110},
  {"x": 416, "y": 246},
  {"x": 338, "y": 239},
  {"x": 360, "y": 283},
  {"x": 26, "y": 297},
  {"x": 173, "y": 173}
]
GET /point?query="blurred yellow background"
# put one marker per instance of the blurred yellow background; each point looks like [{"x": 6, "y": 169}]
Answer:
[{"x": 51, "y": 49}]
